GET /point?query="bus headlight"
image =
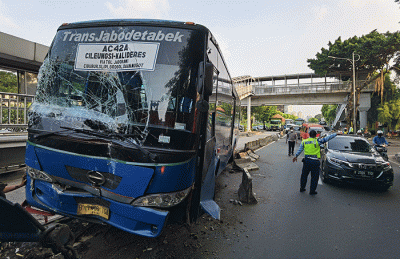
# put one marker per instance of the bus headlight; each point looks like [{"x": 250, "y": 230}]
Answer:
[
  {"x": 38, "y": 175},
  {"x": 162, "y": 200}
]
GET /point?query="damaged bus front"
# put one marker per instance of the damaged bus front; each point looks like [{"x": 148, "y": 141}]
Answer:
[{"x": 124, "y": 128}]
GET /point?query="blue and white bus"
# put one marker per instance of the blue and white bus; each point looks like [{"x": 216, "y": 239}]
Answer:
[{"x": 131, "y": 124}]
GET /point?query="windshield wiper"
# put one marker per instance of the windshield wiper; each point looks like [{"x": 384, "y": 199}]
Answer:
[
  {"x": 95, "y": 124},
  {"x": 46, "y": 134},
  {"x": 122, "y": 140}
]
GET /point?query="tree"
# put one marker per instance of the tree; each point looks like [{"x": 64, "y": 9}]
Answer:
[
  {"x": 289, "y": 116},
  {"x": 376, "y": 52},
  {"x": 8, "y": 82},
  {"x": 389, "y": 113},
  {"x": 264, "y": 113},
  {"x": 386, "y": 107},
  {"x": 329, "y": 112},
  {"x": 313, "y": 120}
]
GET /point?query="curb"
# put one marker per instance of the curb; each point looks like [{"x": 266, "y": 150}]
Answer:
[{"x": 256, "y": 144}]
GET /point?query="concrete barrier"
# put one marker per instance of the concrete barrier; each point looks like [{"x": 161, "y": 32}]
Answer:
[
  {"x": 245, "y": 192},
  {"x": 256, "y": 144},
  {"x": 246, "y": 163}
]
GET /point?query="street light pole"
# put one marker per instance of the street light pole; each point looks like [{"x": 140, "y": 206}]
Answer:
[
  {"x": 352, "y": 61},
  {"x": 354, "y": 97}
]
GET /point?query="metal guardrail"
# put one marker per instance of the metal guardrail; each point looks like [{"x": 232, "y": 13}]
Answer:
[
  {"x": 13, "y": 110},
  {"x": 12, "y": 151}
]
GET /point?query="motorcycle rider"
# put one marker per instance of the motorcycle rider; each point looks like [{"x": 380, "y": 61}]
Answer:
[{"x": 380, "y": 140}]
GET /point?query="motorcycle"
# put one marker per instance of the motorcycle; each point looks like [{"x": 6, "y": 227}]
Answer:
[
  {"x": 367, "y": 135},
  {"x": 382, "y": 151}
]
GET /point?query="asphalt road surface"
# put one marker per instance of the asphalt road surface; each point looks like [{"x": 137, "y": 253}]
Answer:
[{"x": 341, "y": 221}]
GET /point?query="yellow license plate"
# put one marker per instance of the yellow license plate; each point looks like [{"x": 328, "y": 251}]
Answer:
[{"x": 91, "y": 209}]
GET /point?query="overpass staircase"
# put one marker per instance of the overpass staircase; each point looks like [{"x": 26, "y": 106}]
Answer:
[{"x": 340, "y": 114}]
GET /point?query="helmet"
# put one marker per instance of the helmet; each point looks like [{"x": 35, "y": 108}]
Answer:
[
  {"x": 379, "y": 132},
  {"x": 313, "y": 133},
  {"x": 359, "y": 131}
]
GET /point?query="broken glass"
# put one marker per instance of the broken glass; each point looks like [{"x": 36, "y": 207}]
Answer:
[{"x": 112, "y": 96}]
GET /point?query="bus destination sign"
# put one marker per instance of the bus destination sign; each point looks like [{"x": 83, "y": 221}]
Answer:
[{"x": 123, "y": 56}]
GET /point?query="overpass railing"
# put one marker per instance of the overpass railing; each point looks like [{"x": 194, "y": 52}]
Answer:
[
  {"x": 302, "y": 89},
  {"x": 323, "y": 87},
  {"x": 13, "y": 110}
]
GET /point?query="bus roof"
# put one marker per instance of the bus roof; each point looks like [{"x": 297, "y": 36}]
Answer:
[{"x": 130, "y": 22}]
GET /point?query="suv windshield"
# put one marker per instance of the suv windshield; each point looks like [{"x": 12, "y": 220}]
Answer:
[
  {"x": 120, "y": 77},
  {"x": 349, "y": 144}
]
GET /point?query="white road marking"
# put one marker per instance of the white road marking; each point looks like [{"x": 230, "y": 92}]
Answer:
[{"x": 265, "y": 146}]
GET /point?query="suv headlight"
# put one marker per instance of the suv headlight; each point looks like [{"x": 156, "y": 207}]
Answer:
[
  {"x": 162, "y": 200},
  {"x": 386, "y": 166},
  {"x": 339, "y": 162},
  {"x": 38, "y": 175}
]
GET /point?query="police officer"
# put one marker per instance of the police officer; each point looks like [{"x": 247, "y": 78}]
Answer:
[{"x": 311, "y": 163}]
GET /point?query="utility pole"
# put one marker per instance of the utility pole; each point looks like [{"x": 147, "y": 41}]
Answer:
[
  {"x": 352, "y": 61},
  {"x": 354, "y": 97}
]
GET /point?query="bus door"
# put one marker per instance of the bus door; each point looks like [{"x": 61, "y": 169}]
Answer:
[{"x": 208, "y": 175}]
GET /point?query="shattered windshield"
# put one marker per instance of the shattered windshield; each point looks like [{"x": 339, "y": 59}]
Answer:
[{"x": 116, "y": 78}]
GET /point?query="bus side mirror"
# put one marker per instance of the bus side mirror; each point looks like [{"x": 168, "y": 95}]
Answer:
[{"x": 205, "y": 82}]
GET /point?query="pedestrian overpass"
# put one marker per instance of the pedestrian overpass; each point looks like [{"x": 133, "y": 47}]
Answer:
[
  {"x": 302, "y": 89},
  {"x": 20, "y": 61}
]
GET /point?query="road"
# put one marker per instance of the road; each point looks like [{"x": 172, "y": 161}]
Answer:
[{"x": 341, "y": 221}]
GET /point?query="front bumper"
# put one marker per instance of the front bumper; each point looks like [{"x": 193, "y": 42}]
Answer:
[
  {"x": 348, "y": 175},
  {"x": 141, "y": 221}
]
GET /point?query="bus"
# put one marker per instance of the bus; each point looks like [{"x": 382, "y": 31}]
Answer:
[
  {"x": 299, "y": 121},
  {"x": 132, "y": 122}
]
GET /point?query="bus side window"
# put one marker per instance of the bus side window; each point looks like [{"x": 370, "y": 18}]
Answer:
[{"x": 186, "y": 105}]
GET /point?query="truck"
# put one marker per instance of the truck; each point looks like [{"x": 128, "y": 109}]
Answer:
[{"x": 276, "y": 124}]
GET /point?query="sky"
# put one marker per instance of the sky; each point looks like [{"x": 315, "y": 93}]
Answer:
[{"x": 257, "y": 38}]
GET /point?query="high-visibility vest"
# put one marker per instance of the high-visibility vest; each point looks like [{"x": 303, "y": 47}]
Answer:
[{"x": 311, "y": 147}]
